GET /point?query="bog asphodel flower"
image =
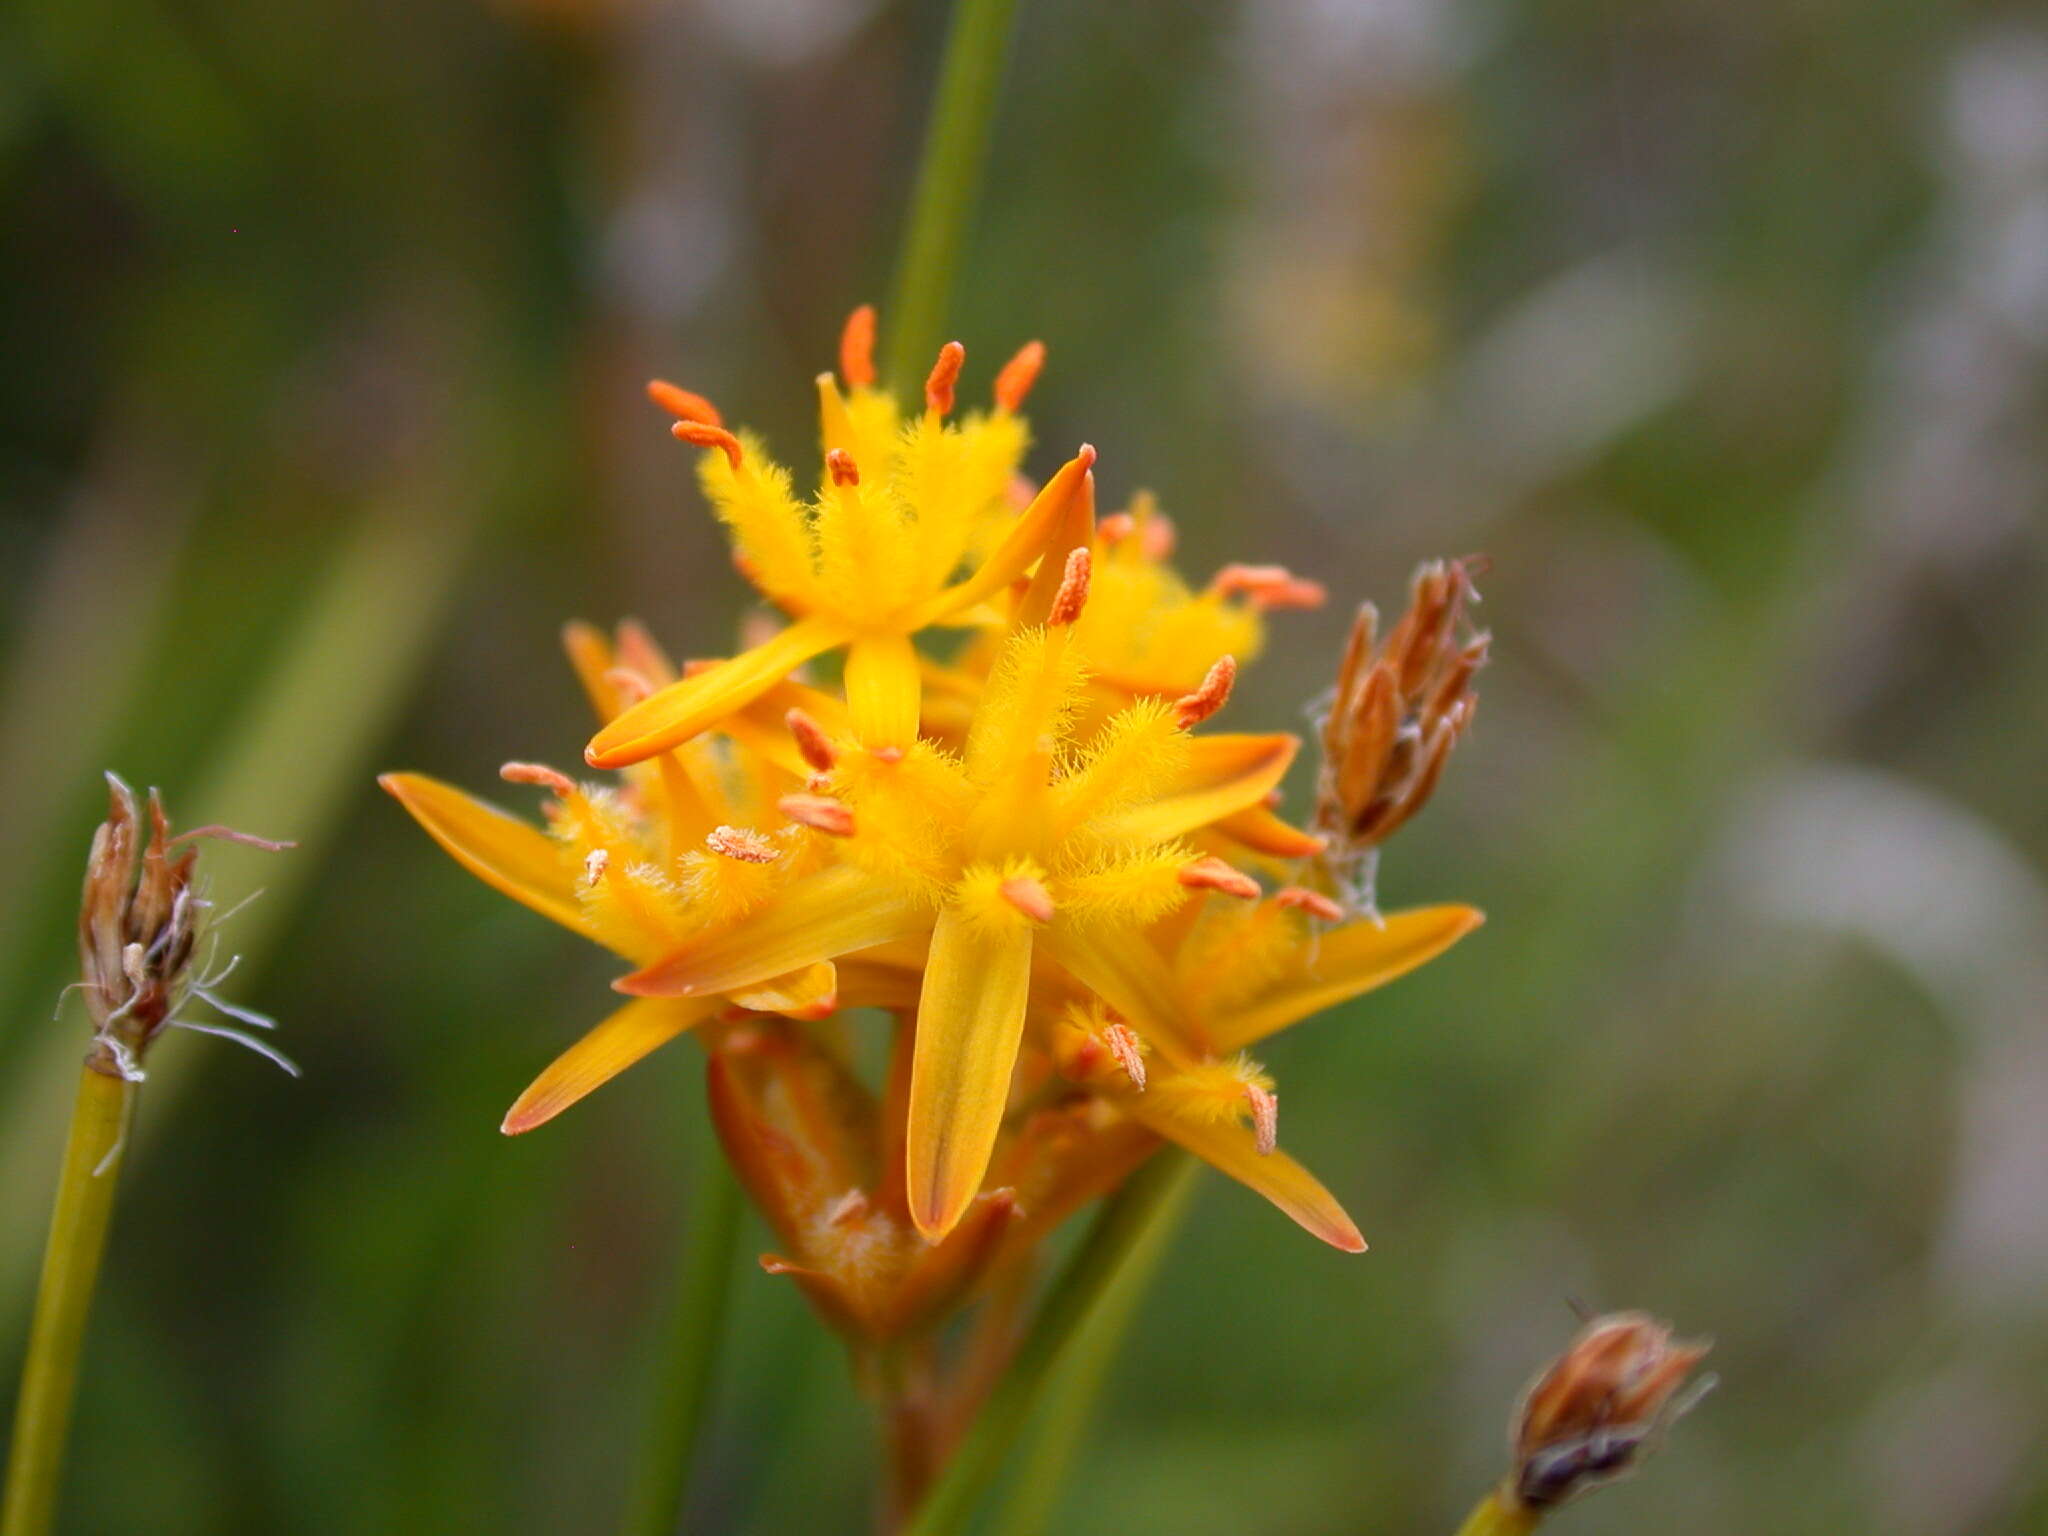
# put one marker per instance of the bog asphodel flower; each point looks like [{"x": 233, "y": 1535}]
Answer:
[{"x": 1075, "y": 899}]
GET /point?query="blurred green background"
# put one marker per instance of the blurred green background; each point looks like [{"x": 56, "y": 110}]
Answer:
[{"x": 1720, "y": 328}]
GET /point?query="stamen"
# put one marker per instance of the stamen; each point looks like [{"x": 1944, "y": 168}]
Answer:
[
  {"x": 683, "y": 404},
  {"x": 847, "y": 1209},
  {"x": 594, "y": 864},
  {"x": 1014, "y": 382},
  {"x": 811, "y": 741},
  {"x": 1072, "y": 595},
  {"x": 844, "y": 470},
  {"x": 1268, "y": 586},
  {"x": 1210, "y": 873},
  {"x": 819, "y": 812},
  {"x": 629, "y": 685},
  {"x": 709, "y": 437},
  {"x": 230, "y": 835},
  {"x": 741, "y": 844},
  {"x": 1028, "y": 896},
  {"x": 857, "y": 348},
  {"x": 938, "y": 386},
  {"x": 1299, "y": 898},
  {"x": 1123, "y": 1044},
  {"x": 1265, "y": 1117},
  {"x": 1156, "y": 532},
  {"x": 540, "y": 774},
  {"x": 1192, "y": 709}
]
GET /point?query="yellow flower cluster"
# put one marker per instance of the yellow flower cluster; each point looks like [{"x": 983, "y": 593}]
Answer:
[{"x": 1077, "y": 903}]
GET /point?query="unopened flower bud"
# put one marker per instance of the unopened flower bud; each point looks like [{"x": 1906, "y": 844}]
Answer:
[{"x": 1599, "y": 1409}]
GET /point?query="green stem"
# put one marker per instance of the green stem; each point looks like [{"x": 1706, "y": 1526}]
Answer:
[
  {"x": 1129, "y": 1232},
  {"x": 689, "y": 1353},
  {"x": 71, "y": 1268},
  {"x": 948, "y": 181},
  {"x": 1069, "y": 1408},
  {"x": 1496, "y": 1515}
]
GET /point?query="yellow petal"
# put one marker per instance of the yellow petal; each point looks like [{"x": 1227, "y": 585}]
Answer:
[
  {"x": 809, "y": 993},
  {"x": 1231, "y": 1147},
  {"x": 1128, "y": 974},
  {"x": 699, "y": 702},
  {"x": 969, "y": 1021},
  {"x": 1027, "y": 540},
  {"x": 883, "y": 690},
  {"x": 500, "y": 850},
  {"x": 1223, "y": 775},
  {"x": 590, "y": 653},
  {"x": 1343, "y": 963},
  {"x": 819, "y": 918},
  {"x": 603, "y": 1054},
  {"x": 1074, "y": 530},
  {"x": 863, "y": 984},
  {"x": 1259, "y": 830}
]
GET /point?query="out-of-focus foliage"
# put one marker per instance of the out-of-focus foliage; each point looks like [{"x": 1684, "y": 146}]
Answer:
[{"x": 1722, "y": 329}]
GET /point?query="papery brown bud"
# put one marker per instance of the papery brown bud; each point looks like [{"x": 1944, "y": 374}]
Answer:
[
  {"x": 1600, "y": 1408},
  {"x": 141, "y": 918},
  {"x": 1399, "y": 708}
]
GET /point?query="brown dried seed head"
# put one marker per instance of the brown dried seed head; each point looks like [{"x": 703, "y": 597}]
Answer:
[
  {"x": 1598, "y": 1410},
  {"x": 1399, "y": 708},
  {"x": 141, "y": 918}
]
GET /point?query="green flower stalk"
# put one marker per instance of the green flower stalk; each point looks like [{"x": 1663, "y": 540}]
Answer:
[{"x": 145, "y": 953}]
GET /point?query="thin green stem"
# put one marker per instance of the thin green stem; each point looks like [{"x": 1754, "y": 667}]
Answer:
[
  {"x": 1496, "y": 1515},
  {"x": 1129, "y": 1232},
  {"x": 71, "y": 1269},
  {"x": 1069, "y": 1408},
  {"x": 688, "y": 1357},
  {"x": 948, "y": 182}
]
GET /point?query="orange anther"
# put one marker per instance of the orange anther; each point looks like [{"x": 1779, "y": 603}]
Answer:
[
  {"x": 1299, "y": 898},
  {"x": 1265, "y": 1117},
  {"x": 594, "y": 864},
  {"x": 683, "y": 404},
  {"x": 1190, "y": 710},
  {"x": 741, "y": 844},
  {"x": 1123, "y": 1044},
  {"x": 1268, "y": 586},
  {"x": 1028, "y": 896},
  {"x": 857, "y": 348},
  {"x": 844, "y": 470},
  {"x": 537, "y": 773},
  {"x": 938, "y": 385},
  {"x": 1072, "y": 595},
  {"x": 820, "y": 812},
  {"x": 709, "y": 437},
  {"x": 1210, "y": 873},
  {"x": 811, "y": 741},
  {"x": 1014, "y": 382}
]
